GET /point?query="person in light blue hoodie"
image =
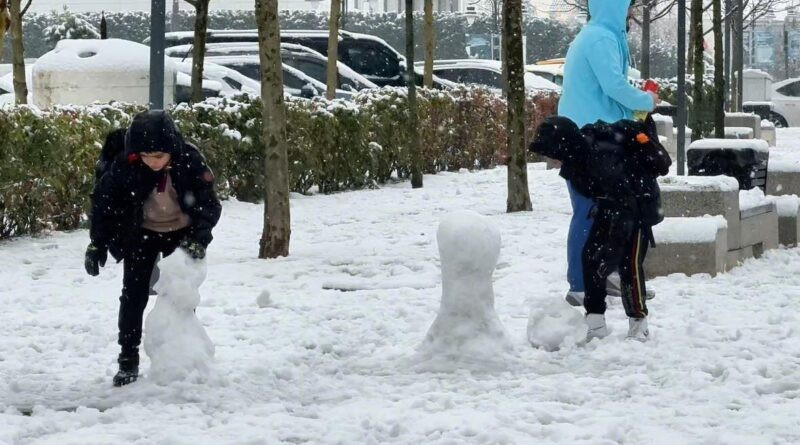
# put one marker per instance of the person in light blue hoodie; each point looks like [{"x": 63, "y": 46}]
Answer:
[{"x": 596, "y": 88}]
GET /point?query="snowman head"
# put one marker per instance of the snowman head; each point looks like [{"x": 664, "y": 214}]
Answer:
[{"x": 468, "y": 244}]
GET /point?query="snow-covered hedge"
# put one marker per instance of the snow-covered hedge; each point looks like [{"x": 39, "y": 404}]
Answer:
[
  {"x": 47, "y": 158},
  {"x": 546, "y": 38}
]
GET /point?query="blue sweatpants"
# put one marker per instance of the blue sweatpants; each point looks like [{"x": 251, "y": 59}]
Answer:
[{"x": 579, "y": 229}]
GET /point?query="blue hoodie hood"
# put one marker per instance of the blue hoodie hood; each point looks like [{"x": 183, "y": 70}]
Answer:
[
  {"x": 611, "y": 14},
  {"x": 596, "y": 83}
]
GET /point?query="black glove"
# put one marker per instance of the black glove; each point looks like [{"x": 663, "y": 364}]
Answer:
[
  {"x": 95, "y": 259},
  {"x": 193, "y": 248}
]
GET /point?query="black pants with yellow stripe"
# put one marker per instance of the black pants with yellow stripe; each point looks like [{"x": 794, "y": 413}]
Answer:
[{"x": 616, "y": 242}]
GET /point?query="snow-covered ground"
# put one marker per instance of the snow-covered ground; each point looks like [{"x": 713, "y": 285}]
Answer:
[{"x": 327, "y": 355}]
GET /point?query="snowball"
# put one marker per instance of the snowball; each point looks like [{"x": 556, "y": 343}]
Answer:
[
  {"x": 554, "y": 326},
  {"x": 467, "y": 327},
  {"x": 175, "y": 341},
  {"x": 263, "y": 299}
]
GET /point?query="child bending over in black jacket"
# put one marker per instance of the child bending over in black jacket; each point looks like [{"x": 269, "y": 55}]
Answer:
[
  {"x": 617, "y": 166},
  {"x": 154, "y": 194}
]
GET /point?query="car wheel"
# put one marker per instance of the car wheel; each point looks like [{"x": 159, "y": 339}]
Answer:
[{"x": 778, "y": 120}]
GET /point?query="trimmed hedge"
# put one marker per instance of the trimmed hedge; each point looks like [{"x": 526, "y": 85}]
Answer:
[{"x": 47, "y": 158}]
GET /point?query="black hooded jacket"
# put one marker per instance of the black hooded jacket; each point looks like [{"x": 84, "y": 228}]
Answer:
[
  {"x": 120, "y": 193},
  {"x": 615, "y": 164}
]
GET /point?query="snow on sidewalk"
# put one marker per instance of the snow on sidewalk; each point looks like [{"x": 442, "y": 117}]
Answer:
[{"x": 320, "y": 365}]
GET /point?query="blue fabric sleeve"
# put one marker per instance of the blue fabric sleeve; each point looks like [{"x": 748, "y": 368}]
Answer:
[{"x": 606, "y": 63}]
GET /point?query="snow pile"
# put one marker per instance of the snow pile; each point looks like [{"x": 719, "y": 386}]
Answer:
[
  {"x": 555, "y": 326},
  {"x": 788, "y": 205},
  {"x": 467, "y": 327},
  {"x": 739, "y": 132},
  {"x": 730, "y": 144},
  {"x": 720, "y": 183},
  {"x": 689, "y": 230},
  {"x": 784, "y": 165},
  {"x": 175, "y": 341},
  {"x": 750, "y": 199}
]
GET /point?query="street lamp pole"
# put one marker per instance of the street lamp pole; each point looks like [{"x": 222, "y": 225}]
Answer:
[{"x": 157, "y": 29}]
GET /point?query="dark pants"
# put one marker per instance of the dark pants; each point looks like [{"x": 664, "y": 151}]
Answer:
[
  {"x": 616, "y": 242},
  {"x": 138, "y": 264}
]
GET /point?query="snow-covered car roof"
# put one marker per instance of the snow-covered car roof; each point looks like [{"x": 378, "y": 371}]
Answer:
[
  {"x": 95, "y": 55},
  {"x": 532, "y": 81},
  {"x": 230, "y": 58},
  {"x": 214, "y": 78},
  {"x": 555, "y": 70}
]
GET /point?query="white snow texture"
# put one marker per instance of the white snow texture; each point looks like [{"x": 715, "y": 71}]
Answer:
[
  {"x": 467, "y": 327},
  {"x": 175, "y": 341}
]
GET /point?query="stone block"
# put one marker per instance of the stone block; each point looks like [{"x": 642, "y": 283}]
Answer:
[
  {"x": 695, "y": 196},
  {"x": 738, "y": 133},
  {"x": 749, "y": 120},
  {"x": 759, "y": 226},
  {"x": 768, "y": 133},
  {"x": 788, "y": 230},
  {"x": 688, "y": 246},
  {"x": 783, "y": 178},
  {"x": 737, "y": 256}
]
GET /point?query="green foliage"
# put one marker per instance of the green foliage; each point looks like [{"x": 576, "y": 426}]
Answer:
[
  {"x": 70, "y": 26},
  {"x": 47, "y": 158}
]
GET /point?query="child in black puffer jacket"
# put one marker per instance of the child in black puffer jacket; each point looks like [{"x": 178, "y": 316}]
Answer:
[
  {"x": 154, "y": 193},
  {"x": 617, "y": 166}
]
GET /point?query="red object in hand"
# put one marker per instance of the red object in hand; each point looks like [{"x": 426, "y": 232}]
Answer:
[{"x": 651, "y": 86}]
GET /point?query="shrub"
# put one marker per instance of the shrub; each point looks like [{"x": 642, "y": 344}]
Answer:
[{"x": 47, "y": 158}]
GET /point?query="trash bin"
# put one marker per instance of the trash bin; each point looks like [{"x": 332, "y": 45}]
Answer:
[{"x": 745, "y": 160}]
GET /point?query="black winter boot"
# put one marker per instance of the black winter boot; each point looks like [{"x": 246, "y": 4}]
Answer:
[{"x": 128, "y": 368}]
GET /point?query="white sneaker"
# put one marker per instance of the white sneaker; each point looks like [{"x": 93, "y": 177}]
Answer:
[
  {"x": 575, "y": 298},
  {"x": 596, "y": 326},
  {"x": 637, "y": 329}
]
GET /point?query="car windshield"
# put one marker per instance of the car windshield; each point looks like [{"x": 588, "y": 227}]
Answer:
[{"x": 791, "y": 90}]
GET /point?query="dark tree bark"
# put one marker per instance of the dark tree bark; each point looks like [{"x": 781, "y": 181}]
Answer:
[
  {"x": 413, "y": 130},
  {"x": 719, "y": 73},
  {"x": 514, "y": 68},
  {"x": 277, "y": 220},
  {"x": 199, "y": 47},
  {"x": 18, "y": 56},
  {"x": 103, "y": 26},
  {"x": 332, "y": 75},
  {"x": 430, "y": 44}
]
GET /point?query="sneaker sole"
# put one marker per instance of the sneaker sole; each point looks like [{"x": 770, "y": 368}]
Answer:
[{"x": 573, "y": 301}]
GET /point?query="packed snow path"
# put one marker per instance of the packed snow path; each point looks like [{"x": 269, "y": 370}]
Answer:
[{"x": 326, "y": 360}]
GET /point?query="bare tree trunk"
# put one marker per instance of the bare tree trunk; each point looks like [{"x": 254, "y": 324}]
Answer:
[
  {"x": 698, "y": 65},
  {"x": 5, "y": 23},
  {"x": 690, "y": 55},
  {"x": 199, "y": 47},
  {"x": 277, "y": 220},
  {"x": 411, "y": 81},
  {"x": 20, "y": 82},
  {"x": 103, "y": 26},
  {"x": 176, "y": 10},
  {"x": 727, "y": 61},
  {"x": 738, "y": 56},
  {"x": 518, "y": 195},
  {"x": 430, "y": 44},
  {"x": 333, "y": 49},
  {"x": 646, "y": 24},
  {"x": 719, "y": 73}
]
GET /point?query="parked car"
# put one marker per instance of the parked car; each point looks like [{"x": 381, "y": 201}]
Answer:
[
  {"x": 217, "y": 81},
  {"x": 295, "y": 82},
  {"x": 305, "y": 59},
  {"x": 484, "y": 72},
  {"x": 367, "y": 55},
  {"x": 786, "y": 103},
  {"x": 552, "y": 70}
]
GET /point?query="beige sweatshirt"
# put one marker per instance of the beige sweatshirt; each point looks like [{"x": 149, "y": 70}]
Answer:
[{"x": 162, "y": 212}]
